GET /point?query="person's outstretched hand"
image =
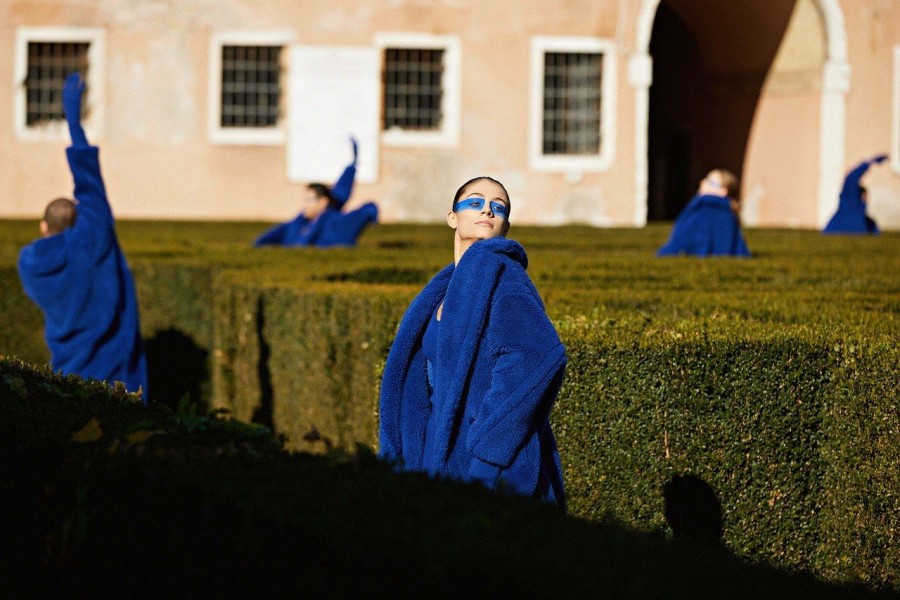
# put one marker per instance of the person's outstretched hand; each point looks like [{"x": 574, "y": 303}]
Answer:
[
  {"x": 355, "y": 145},
  {"x": 72, "y": 92},
  {"x": 880, "y": 158}
]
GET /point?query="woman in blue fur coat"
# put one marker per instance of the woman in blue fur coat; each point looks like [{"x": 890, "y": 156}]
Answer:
[
  {"x": 322, "y": 222},
  {"x": 851, "y": 214},
  {"x": 476, "y": 364},
  {"x": 709, "y": 224}
]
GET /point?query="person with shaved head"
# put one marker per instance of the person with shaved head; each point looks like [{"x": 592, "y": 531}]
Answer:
[{"x": 77, "y": 275}]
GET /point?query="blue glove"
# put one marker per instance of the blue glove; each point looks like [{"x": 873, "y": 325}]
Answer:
[
  {"x": 880, "y": 158},
  {"x": 72, "y": 92}
]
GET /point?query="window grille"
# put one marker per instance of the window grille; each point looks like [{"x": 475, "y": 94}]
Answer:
[
  {"x": 571, "y": 112},
  {"x": 49, "y": 63},
  {"x": 251, "y": 86},
  {"x": 413, "y": 88}
]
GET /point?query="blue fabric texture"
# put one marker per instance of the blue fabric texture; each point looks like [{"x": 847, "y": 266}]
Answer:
[
  {"x": 81, "y": 281},
  {"x": 331, "y": 228},
  {"x": 706, "y": 227},
  {"x": 500, "y": 364},
  {"x": 343, "y": 187},
  {"x": 851, "y": 214}
]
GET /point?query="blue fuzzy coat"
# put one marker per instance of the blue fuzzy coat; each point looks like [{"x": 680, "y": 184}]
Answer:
[
  {"x": 851, "y": 214},
  {"x": 499, "y": 368},
  {"x": 332, "y": 228},
  {"x": 81, "y": 281},
  {"x": 706, "y": 227}
]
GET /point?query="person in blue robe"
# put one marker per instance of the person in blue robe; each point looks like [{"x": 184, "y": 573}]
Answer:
[
  {"x": 709, "y": 224},
  {"x": 476, "y": 365},
  {"x": 321, "y": 221},
  {"x": 77, "y": 275},
  {"x": 851, "y": 214}
]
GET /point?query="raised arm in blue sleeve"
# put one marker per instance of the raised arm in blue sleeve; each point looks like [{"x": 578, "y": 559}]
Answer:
[
  {"x": 851, "y": 182},
  {"x": 343, "y": 188},
  {"x": 84, "y": 163},
  {"x": 73, "y": 90}
]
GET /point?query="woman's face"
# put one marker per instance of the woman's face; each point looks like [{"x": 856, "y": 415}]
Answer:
[
  {"x": 312, "y": 206},
  {"x": 712, "y": 185},
  {"x": 481, "y": 213}
]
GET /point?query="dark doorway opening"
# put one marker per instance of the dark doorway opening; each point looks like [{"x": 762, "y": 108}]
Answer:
[{"x": 710, "y": 60}]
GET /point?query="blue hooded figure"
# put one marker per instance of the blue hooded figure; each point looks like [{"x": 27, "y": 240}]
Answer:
[
  {"x": 78, "y": 275},
  {"x": 476, "y": 365},
  {"x": 321, "y": 221},
  {"x": 851, "y": 214},
  {"x": 709, "y": 225}
]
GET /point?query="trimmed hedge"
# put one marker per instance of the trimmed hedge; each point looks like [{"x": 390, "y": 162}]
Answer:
[
  {"x": 771, "y": 380},
  {"x": 796, "y": 434},
  {"x": 101, "y": 496}
]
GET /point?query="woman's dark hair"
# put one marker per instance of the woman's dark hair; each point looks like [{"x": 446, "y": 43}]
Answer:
[
  {"x": 323, "y": 191},
  {"x": 731, "y": 183},
  {"x": 462, "y": 190}
]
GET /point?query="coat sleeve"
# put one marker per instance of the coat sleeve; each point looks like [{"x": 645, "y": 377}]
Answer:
[
  {"x": 344, "y": 229},
  {"x": 343, "y": 187},
  {"x": 94, "y": 225},
  {"x": 850, "y": 189},
  {"x": 273, "y": 236},
  {"x": 524, "y": 382}
]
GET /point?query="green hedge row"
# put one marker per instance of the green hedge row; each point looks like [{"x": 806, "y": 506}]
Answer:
[
  {"x": 797, "y": 434},
  {"x": 100, "y": 496},
  {"x": 771, "y": 380}
]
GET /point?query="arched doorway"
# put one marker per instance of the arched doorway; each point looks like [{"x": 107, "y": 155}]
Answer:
[
  {"x": 710, "y": 59},
  {"x": 707, "y": 60}
]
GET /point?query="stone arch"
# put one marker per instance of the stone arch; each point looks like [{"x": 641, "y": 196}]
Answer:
[{"x": 836, "y": 81}]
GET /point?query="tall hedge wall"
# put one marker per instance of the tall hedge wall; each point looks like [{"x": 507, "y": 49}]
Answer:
[
  {"x": 796, "y": 433},
  {"x": 772, "y": 381}
]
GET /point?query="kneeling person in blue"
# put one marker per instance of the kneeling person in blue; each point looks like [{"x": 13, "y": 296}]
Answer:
[
  {"x": 77, "y": 275},
  {"x": 709, "y": 224},
  {"x": 321, "y": 221},
  {"x": 851, "y": 214},
  {"x": 476, "y": 365}
]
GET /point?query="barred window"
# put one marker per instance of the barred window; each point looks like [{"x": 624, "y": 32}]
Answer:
[
  {"x": 413, "y": 88},
  {"x": 251, "y": 86},
  {"x": 571, "y": 106},
  {"x": 48, "y": 65}
]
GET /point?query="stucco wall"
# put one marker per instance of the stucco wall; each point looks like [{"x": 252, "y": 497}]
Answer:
[
  {"x": 873, "y": 29},
  {"x": 159, "y": 162},
  {"x": 781, "y": 175}
]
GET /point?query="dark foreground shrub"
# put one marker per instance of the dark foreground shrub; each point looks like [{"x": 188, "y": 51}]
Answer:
[{"x": 102, "y": 497}]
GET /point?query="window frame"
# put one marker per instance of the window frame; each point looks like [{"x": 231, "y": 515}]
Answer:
[
  {"x": 253, "y": 136},
  {"x": 603, "y": 160},
  {"x": 451, "y": 85},
  {"x": 94, "y": 100}
]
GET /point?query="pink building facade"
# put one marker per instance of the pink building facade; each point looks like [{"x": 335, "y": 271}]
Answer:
[{"x": 604, "y": 112}]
